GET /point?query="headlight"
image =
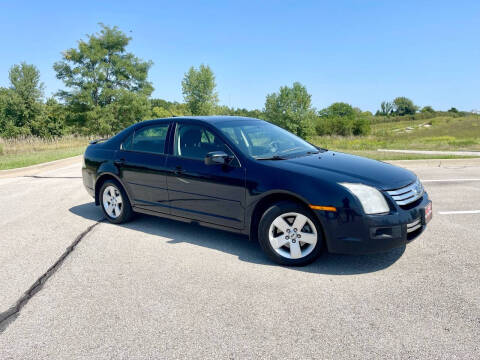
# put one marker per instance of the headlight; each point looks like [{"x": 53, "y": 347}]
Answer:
[{"x": 372, "y": 200}]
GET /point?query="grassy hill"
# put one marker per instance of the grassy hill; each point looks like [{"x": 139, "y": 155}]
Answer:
[{"x": 438, "y": 133}]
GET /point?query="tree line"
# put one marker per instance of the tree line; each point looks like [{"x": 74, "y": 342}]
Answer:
[{"x": 107, "y": 89}]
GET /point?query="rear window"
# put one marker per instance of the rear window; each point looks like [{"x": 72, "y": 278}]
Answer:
[{"x": 149, "y": 139}]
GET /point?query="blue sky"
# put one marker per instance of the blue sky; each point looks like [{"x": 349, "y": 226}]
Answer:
[{"x": 360, "y": 52}]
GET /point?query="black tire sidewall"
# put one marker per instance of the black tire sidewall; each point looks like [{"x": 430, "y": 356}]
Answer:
[
  {"x": 127, "y": 208},
  {"x": 263, "y": 231}
]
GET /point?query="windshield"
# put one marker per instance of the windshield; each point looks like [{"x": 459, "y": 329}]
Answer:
[{"x": 262, "y": 140}]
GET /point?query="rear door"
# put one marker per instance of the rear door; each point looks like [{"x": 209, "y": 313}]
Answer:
[
  {"x": 209, "y": 193},
  {"x": 142, "y": 162}
]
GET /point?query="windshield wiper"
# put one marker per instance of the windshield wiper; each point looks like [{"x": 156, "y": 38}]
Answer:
[
  {"x": 275, "y": 157},
  {"x": 289, "y": 150}
]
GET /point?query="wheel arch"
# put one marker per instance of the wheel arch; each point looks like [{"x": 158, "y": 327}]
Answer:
[
  {"x": 101, "y": 180},
  {"x": 268, "y": 200}
]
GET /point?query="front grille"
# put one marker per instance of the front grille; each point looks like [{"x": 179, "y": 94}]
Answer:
[
  {"x": 414, "y": 225},
  {"x": 407, "y": 194}
]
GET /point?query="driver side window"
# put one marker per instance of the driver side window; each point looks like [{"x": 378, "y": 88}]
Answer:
[{"x": 195, "y": 142}]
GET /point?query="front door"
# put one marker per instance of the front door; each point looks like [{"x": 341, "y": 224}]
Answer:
[
  {"x": 209, "y": 193},
  {"x": 142, "y": 162}
]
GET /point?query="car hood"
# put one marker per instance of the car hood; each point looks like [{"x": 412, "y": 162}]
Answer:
[{"x": 341, "y": 167}]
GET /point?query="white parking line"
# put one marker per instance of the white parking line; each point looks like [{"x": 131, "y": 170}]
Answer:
[
  {"x": 459, "y": 212},
  {"x": 449, "y": 180}
]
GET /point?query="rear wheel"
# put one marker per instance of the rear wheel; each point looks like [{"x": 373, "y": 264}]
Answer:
[
  {"x": 290, "y": 234},
  {"x": 115, "y": 203}
]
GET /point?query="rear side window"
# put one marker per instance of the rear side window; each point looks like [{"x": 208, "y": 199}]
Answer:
[{"x": 149, "y": 139}]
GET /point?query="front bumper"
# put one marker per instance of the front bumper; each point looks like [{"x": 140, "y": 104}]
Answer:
[{"x": 347, "y": 232}]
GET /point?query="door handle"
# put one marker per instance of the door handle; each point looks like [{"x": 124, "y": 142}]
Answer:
[{"x": 119, "y": 161}]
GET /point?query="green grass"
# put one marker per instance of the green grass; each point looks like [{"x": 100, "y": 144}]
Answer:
[
  {"x": 16, "y": 153},
  {"x": 444, "y": 133}
]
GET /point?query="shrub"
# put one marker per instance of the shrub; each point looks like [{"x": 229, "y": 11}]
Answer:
[{"x": 361, "y": 126}]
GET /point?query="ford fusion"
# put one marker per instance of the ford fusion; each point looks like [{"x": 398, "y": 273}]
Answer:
[{"x": 249, "y": 176}]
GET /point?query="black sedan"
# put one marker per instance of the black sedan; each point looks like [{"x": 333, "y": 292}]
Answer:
[{"x": 249, "y": 176}]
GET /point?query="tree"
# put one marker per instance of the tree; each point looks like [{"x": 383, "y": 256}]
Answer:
[
  {"x": 427, "y": 109},
  {"x": 162, "y": 108},
  {"x": 21, "y": 104},
  {"x": 52, "y": 121},
  {"x": 291, "y": 109},
  {"x": 386, "y": 108},
  {"x": 342, "y": 119},
  {"x": 12, "y": 111},
  {"x": 453, "y": 110},
  {"x": 108, "y": 86},
  {"x": 198, "y": 88},
  {"x": 160, "y": 112},
  {"x": 404, "y": 106},
  {"x": 338, "y": 109},
  {"x": 25, "y": 83},
  {"x": 225, "y": 110}
]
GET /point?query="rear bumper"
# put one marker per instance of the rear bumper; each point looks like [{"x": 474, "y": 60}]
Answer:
[
  {"x": 88, "y": 181},
  {"x": 349, "y": 233}
]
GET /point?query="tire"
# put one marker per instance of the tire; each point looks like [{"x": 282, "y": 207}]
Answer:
[
  {"x": 281, "y": 230},
  {"x": 114, "y": 202}
]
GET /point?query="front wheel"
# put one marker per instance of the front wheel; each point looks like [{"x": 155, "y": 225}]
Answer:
[{"x": 290, "y": 234}]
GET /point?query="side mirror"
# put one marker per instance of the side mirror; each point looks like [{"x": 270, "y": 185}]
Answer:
[{"x": 216, "y": 158}]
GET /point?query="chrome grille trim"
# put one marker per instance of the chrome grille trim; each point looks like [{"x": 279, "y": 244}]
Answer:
[
  {"x": 407, "y": 194},
  {"x": 414, "y": 225}
]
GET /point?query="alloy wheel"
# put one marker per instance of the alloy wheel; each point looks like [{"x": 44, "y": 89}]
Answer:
[
  {"x": 292, "y": 235},
  {"x": 112, "y": 201}
]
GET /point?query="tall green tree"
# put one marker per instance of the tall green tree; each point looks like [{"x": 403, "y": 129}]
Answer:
[
  {"x": 25, "y": 81},
  {"x": 21, "y": 104},
  {"x": 198, "y": 87},
  {"x": 291, "y": 109},
  {"x": 404, "y": 106},
  {"x": 107, "y": 87}
]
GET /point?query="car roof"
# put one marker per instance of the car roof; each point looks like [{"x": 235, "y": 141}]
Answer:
[{"x": 215, "y": 119}]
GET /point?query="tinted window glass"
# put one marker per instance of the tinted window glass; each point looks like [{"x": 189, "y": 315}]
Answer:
[
  {"x": 148, "y": 139},
  {"x": 195, "y": 141},
  {"x": 127, "y": 143}
]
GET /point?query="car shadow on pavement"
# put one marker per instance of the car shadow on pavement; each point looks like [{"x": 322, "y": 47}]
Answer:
[{"x": 240, "y": 246}]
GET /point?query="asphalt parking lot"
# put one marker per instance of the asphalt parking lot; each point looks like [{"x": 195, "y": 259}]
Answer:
[{"x": 157, "y": 288}]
